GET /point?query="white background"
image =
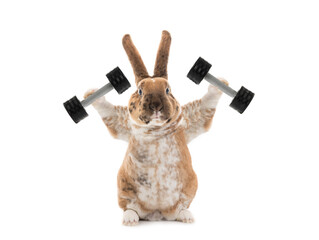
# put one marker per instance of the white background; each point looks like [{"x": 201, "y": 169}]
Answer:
[{"x": 258, "y": 172}]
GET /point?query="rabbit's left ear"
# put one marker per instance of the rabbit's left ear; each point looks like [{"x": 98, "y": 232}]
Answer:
[{"x": 160, "y": 69}]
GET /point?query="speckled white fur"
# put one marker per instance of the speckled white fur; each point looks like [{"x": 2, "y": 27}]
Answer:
[
  {"x": 118, "y": 116},
  {"x": 161, "y": 169},
  {"x": 195, "y": 112},
  {"x": 211, "y": 98},
  {"x": 104, "y": 108},
  {"x": 162, "y": 151}
]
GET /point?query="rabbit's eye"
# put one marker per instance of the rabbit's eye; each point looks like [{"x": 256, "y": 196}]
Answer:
[
  {"x": 167, "y": 90},
  {"x": 140, "y": 92}
]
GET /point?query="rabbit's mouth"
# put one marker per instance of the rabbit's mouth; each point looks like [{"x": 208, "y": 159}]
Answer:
[
  {"x": 156, "y": 118},
  {"x": 157, "y": 115}
]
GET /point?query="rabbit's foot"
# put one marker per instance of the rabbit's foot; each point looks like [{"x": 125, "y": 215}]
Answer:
[
  {"x": 130, "y": 218},
  {"x": 214, "y": 90},
  {"x": 185, "y": 216}
]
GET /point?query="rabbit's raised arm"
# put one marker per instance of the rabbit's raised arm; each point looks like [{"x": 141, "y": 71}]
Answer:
[
  {"x": 198, "y": 115},
  {"x": 116, "y": 118}
]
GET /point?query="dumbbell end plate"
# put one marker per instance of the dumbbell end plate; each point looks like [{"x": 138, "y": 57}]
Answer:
[
  {"x": 118, "y": 80},
  {"x": 242, "y": 99},
  {"x": 199, "y": 70},
  {"x": 75, "y": 109}
]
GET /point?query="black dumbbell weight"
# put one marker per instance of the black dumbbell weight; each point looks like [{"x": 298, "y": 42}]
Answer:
[
  {"x": 118, "y": 81},
  {"x": 241, "y": 99}
]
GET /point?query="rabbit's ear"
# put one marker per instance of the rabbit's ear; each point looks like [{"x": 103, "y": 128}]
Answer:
[
  {"x": 135, "y": 59},
  {"x": 160, "y": 69}
]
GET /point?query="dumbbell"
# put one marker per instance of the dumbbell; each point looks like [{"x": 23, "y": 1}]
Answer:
[
  {"x": 118, "y": 81},
  {"x": 241, "y": 99}
]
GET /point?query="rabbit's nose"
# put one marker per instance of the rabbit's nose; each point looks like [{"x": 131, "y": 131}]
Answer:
[{"x": 156, "y": 106}]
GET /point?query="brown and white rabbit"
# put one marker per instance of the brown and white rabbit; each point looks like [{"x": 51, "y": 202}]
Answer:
[{"x": 156, "y": 180}]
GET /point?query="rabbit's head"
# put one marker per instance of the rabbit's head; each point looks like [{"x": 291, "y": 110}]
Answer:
[{"x": 153, "y": 102}]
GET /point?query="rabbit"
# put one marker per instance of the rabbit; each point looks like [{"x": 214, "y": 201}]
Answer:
[{"x": 156, "y": 180}]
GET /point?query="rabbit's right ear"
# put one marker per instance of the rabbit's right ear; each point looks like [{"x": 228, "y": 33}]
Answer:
[{"x": 135, "y": 59}]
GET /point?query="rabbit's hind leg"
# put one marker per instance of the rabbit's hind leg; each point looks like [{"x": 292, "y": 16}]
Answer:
[
  {"x": 178, "y": 213},
  {"x": 185, "y": 216}
]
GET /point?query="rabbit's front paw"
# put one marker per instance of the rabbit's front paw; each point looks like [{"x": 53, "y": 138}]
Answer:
[
  {"x": 214, "y": 90},
  {"x": 130, "y": 218},
  {"x": 98, "y": 101},
  {"x": 223, "y": 81}
]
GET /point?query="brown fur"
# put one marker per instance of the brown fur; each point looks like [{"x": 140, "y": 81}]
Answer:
[
  {"x": 157, "y": 146},
  {"x": 135, "y": 59},
  {"x": 127, "y": 177},
  {"x": 160, "y": 69},
  {"x": 150, "y": 95},
  {"x": 153, "y": 90}
]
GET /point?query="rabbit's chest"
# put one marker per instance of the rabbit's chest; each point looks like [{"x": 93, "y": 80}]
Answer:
[{"x": 157, "y": 171}]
